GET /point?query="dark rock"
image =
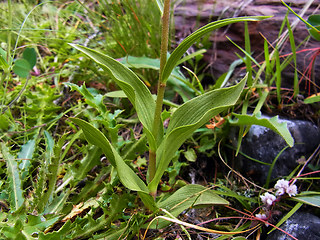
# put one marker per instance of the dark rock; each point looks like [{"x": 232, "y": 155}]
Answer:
[
  {"x": 264, "y": 145},
  {"x": 190, "y": 15},
  {"x": 303, "y": 226}
]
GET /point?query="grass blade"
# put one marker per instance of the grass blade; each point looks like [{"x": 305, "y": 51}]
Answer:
[
  {"x": 293, "y": 48},
  {"x": 248, "y": 50}
]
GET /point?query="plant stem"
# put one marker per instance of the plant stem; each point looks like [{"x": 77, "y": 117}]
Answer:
[
  {"x": 9, "y": 32},
  {"x": 161, "y": 87}
]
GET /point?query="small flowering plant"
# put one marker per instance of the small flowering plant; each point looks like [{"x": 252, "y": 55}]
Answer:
[
  {"x": 268, "y": 199},
  {"x": 282, "y": 188}
]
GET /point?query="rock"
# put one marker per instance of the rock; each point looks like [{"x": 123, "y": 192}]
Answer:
[
  {"x": 303, "y": 226},
  {"x": 190, "y": 15},
  {"x": 264, "y": 145}
]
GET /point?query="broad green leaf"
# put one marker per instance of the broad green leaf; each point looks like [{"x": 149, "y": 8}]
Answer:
[
  {"x": 97, "y": 138},
  {"x": 116, "y": 94},
  {"x": 21, "y": 67},
  {"x": 191, "y": 39},
  {"x": 272, "y": 123},
  {"x": 136, "y": 91},
  {"x": 127, "y": 176},
  {"x": 25, "y": 155},
  {"x": 148, "y": 201},
  {"x": 30, "y": 55},
  {"x": 189, "y": 196},
  {"x": 310, "y": 198},
  {"x": 312, "y": 99},
  {"x": 16, "y": 198},
  {"x": 190, "y": 155},
  {"x": 141, "y": 62},
  {"x": 188, "y": 118},
  {"x": 314, "y": 20}
]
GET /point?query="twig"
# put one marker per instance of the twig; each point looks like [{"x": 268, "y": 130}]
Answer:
[
  {"x": 316, "y": 152},
  {"x": 237, "y": 173}
]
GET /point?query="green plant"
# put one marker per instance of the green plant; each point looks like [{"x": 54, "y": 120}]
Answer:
[
  {"x": 55, "y": 187},
  {"x": 163, "y": 143}
]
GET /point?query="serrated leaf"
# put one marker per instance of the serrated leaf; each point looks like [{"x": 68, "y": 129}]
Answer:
[
  {"x": 136, "y": 91},
  {"x": 13, "y": 232},
  {"x": 188, "y": 118},
  {"x": 16, "y": 198},
  {"x": 309, "y": 197},
  {"x": 30, "y": 55},
  {"x": 272, "y": 123},
  {"x": 25, "y": 155},
  {"x": 93, "y": 101},
  {"x": 49, "y": 143},
  {"x": 192, "y": 38},
  {"x": 87, "y": 226},
  {"x": 22, "y": 68},
  {"x": 57, "y": 235},
  {"x": 79, "y": 169},
  {"x": 127, "y": 176},
  {"x": 37, "y": 224}
]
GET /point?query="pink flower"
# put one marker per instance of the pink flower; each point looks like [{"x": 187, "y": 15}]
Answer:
[
  {"x": 292, "y": 190},
  {"x": 268, "y": 198},
  {"x": 261, "y": 216},
  {"x": 281, "y": 186}
]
